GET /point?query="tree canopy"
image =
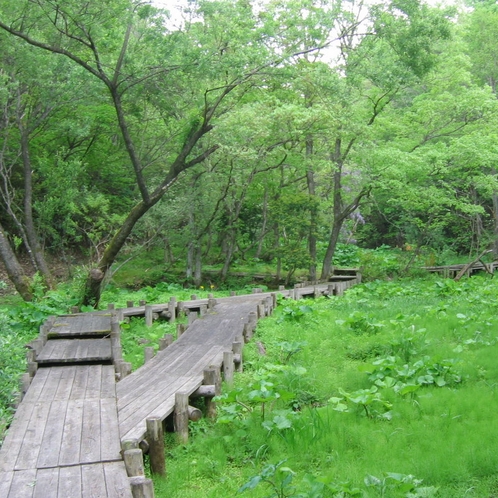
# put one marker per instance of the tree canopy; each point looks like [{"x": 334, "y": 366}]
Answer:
[{"x": 236, "y": 130}]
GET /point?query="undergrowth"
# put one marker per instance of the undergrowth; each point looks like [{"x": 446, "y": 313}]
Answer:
[{"x": 388, "y": 391}]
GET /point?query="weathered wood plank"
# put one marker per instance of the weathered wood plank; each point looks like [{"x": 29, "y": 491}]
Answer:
[
  {"x": 94, "y": 382},
  {"x": 110, "y": 446},
  {"x": 23, "y": 484},
  {"x": 108, "y": 383},
  {"x": 5, "y": 482},
  {"x": 69, "y": 482},
  {"x": 71, "y": 437},
  {"x": 80, "y": 382},
  {"x": 15, "y": 435},
  {"x": 65, "y": 383},
  {"x": 93, "y": 481},
  {"x": 91, "y": 429},
  {"x": 28, "y": 453},
  {"x": 48, "y": 455},
  {"x": 47, "y": 481},
  {"x": 116, "y": 480},
  {"x": 75, "y": 351}
]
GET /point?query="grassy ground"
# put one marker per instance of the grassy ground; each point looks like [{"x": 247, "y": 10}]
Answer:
[{"x": 389, "y": 391}]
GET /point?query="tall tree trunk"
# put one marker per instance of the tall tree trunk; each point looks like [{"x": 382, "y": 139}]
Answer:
[
  {"x": 495, "y": 221},
  {"x": 14, "y": 270},
  {"x": 310, "y": 179},
  {"x": 31, "y": 233}
]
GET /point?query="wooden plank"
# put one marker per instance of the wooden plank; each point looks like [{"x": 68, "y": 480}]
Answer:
[
  {"x": 94, "y": 382},
  {"x": 71, "y": 436},
  {"x": 28, "y": 453},
  {"x": 110, "y": 446},
  {"x": 108, "y": 383},
  {"x": 70, "y": 482},
  {"x": 36, "y": 386},
  {"x": 93, "y": 481},
  {"x": 91, "y": 432},
  {"x": 15, "y": 435},
  {"x": 48, "y": 455},
  {"x": 5, "y": 482},
  {"x": 116, "y": 480},
  {"x": 23, "y": 484},
  {"x": 80, "y": 382},
  {"x": 49, "y": 390},
  {"x": 65, "y": 383},
  {"x": 75, "y": 350},
  {"x": 47, "y": 481}
]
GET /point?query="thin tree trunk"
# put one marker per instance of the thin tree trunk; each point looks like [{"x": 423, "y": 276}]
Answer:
[
  {"x": 310, "y": 179},
  {"x": 31, "y": 233},
  {"x": 14, "y": 269}
]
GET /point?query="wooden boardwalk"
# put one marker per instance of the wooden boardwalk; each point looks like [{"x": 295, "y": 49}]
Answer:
[{"x": 66, "y": 438}]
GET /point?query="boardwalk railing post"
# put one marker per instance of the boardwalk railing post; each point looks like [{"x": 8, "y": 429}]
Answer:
[
  {"x": 192, "y": 316},
  {"x": 228, "y": 367},
  {"x": 165, "y": 341},
  {"x": 141, "y": 487},
  {"x": 116, "y": 350},
  {"x": 130, "y": 304},
  {"x": 237, "y": 355},
  {"x": 212, "y": 377},
  {"x": 203, "y": 309},
  {"x": 148, "y": 315},
  {"x": 180, "y": 418},
  {"x": 142, "y": 302},
  {"x": 172, "y": 309},
  {"x": 148, "y": 354},
  {"x": 180, "y": 329},
  {"x": 155, "y": 438},
  {"x": 211, "y": 303},
  {"x": 134, "y": 462}
]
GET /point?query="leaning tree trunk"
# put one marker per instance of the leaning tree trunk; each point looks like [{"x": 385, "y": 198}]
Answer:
[
  {"x": 93, "y": 285},
  {"x": 14, "y": 270}
]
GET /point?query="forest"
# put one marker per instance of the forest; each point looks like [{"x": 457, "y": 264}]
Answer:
[
  {"x": 228, "y": 131},
  {"x": 155, "y": 149}
]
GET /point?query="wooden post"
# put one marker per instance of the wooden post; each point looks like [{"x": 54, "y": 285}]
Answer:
[
  {"x": 261, "y": 310},
  {"x": 180, "y": 418},
  {"x": 193, "y": 297},
  {"x": 228, "y": 367},
  {"x": 237, "y": 356},
  {"x": 24, "y": 384},
  {"x": 148, "y": 315},
  {"x": 116, "y": 351},
  {"x": 142, "y": 302},
  {"x": 165, "y": 341},
  {"x": 192, "y": 316},
  {"x": 281, "y": 287},
  {"x": 211, "y": 303},
  {"x": 212, "y": 377},
  {"x": 172, "y": 309},
  {"x": 141, "y": 487},
  {"x": 180, "y": 329},
  {"x": 247, "y": 332},
  {"x": 32, "y": 368},
  {"x": 134, "y": 462},
  {"x": 130, "y": 304},
  {"x": 202, "y": 310},
  {"x": 110, "y": 306},
  {"x": 233, "y": 293},
  {"x": 148, "y": 354},
  {"x": 155, "y": 438}
]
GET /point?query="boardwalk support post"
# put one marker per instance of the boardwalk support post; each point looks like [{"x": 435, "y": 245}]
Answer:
[
  {"x": 228, "y": 367},
  {"x": 237, "y": 355},
  {"x": 212, "y": 377},
  {"x": 155, "y": 438},
  {"x": 148, "y": 354},
  {"x": 141, "y": 487},
  {"x": 172, "y": 309},
  {"x": 165, "y": 341},
  {"x": 148, "y": 315},
  {"x": 180, "y": 418},
  {"x": 134, "y": 462},
  {"x": 194, "y": 413},
  {"x": 116, "y": 350}
]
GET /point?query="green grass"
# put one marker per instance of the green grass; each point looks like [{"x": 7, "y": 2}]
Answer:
[{"x": 440, "y": 441}]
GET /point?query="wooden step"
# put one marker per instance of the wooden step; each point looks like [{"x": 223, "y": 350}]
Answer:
[
  {"x": 58, "y": 351},
  {"x": 87, "y": 325}
]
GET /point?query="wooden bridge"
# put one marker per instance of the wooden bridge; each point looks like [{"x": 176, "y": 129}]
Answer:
[{"x": 85, "y": 419}]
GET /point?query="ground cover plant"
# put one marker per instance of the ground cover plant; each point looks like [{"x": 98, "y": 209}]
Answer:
[{"x": 389, "y": 391}]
